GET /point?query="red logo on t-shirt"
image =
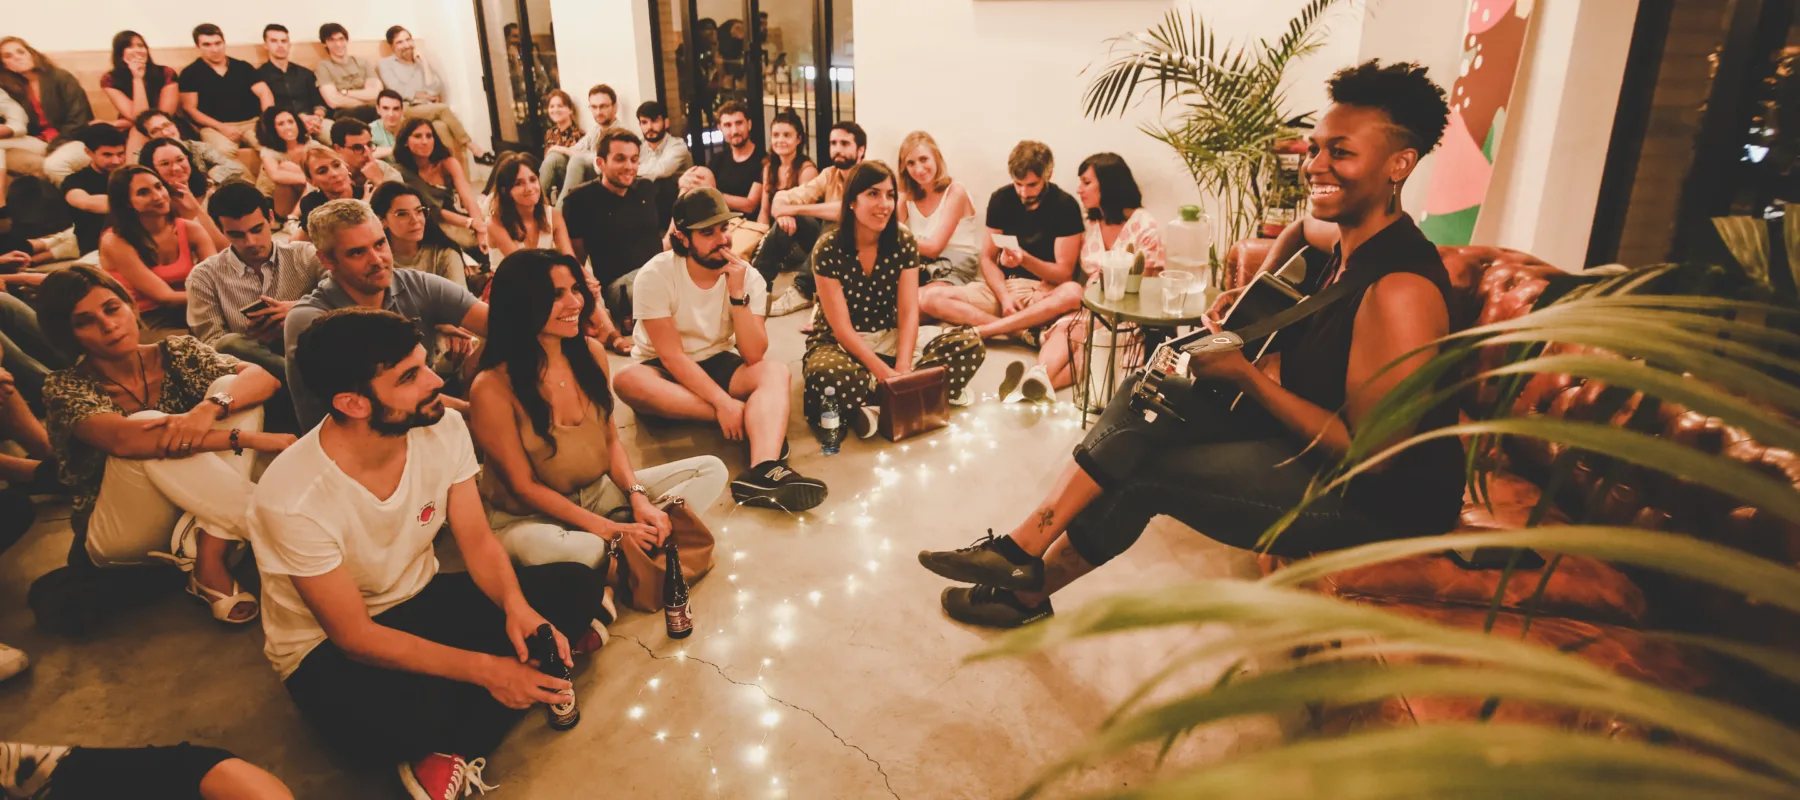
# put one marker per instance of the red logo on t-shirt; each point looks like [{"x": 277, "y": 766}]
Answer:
[{"x": 426, "y": 513}]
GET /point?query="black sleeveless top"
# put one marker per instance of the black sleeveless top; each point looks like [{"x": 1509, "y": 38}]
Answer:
[{"x": 1420, "y": 491}]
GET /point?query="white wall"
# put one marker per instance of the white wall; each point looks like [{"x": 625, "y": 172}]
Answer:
[
  {"x": 446, "y": 27},
  {"x": 1427, "y": 32},
  {"x": 605, "y": 41},
  {"x": 980, "y": 75}
]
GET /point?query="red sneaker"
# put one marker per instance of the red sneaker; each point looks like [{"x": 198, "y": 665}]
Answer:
[
  {"x": 443, "y": 777},
  {"x": 590, "y": 642}
]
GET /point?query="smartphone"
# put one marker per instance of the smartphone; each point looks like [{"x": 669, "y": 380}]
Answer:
[{"x": 255, "y": 308}]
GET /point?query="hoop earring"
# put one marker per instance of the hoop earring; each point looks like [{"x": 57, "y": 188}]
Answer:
[{"x": 1393, "y": 206}]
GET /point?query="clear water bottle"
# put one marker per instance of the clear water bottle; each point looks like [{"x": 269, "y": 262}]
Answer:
[
  {"x": 831, "y": 429},
  {"x": 1187, "y": 241}
]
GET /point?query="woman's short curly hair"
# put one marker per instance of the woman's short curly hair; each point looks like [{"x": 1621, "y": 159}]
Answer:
[{"x": 1404, "y": 92}]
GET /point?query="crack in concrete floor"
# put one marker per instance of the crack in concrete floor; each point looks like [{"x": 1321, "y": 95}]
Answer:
[{"x": 816, "y": 718}]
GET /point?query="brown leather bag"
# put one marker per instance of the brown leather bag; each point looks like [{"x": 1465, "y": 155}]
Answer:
[
  {"x": 640, "y": 574},
  {"x": 746, "y": 236},
  {"x": 914, "y": 403}
]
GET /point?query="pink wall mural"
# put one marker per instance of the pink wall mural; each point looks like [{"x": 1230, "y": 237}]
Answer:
[{"x": 1493, "y": 44}]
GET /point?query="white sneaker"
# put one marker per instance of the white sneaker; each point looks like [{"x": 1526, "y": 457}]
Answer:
[
  {"x": 26, "y": 768},
  {"x": 1009, "y": 385},
  {"x": 1036, "y": 387},
  {"x": 865, "y": 421},
  {"x": 12, "y": 661},
  {"x": 789, "y": 302}
]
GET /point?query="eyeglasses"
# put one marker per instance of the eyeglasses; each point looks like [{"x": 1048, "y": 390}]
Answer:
[{"x": 357, "y": 148}]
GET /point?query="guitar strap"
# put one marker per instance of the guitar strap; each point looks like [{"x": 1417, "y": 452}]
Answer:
[{"x": 1352, "y": 281}]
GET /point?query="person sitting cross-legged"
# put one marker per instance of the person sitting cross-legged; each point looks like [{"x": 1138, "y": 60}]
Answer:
[
  {"x": 802, "y": 214},
  {"x": 612, "y": 222},
  {"x": 1237, "y": 475},
  {"x": 181, "y": 772},
  {"x": 1022, "y": 289},
  {"x": 256, "y": 274},
  {"x": 543, "y": 414},
  {"x": 387, "y": 658},
  {"x": 866, "y": 328},
  {"x": 702, "y": 335}
]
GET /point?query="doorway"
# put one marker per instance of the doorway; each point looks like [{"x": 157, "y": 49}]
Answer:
[{"x": 514, "y": 34}]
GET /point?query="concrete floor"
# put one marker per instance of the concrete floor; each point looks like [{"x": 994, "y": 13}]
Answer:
[{"x": 821, "y": 666}]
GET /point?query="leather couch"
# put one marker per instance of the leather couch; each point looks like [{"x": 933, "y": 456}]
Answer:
[{"x": 1597, "y": 610}]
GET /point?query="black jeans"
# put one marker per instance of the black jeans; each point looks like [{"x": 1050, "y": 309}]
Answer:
[
  {"x": 381, "y": 716},
  {"x": 1230, "y": 483},
  {"x": 781, "y": 250},
  {"x": 96, "y": 773}
]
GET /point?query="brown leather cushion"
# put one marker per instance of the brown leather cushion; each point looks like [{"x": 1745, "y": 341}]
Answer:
[{"x": 1580, "y": 588}]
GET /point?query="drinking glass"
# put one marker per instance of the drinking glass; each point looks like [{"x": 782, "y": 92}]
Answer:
[
  {"x": 1113, "y": 273},
  {"x": 1176, "y": 284}
]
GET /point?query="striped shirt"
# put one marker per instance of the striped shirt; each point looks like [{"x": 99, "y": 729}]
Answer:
[{"x": 220, "y": 286}]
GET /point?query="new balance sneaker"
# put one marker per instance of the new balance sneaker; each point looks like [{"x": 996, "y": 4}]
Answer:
[
  {"x": 12, "y": 661},
  {"x": 773, "y": 484},
  {"x": 25, "y": 768},
  {"x": 789, "y": 302},
  {"x": 443, "y": 777},
  {"x": 865, "y": 421},
  {"x": 1036, "y": 386},
  {"x": 1015, "y": 372},
  {"x": 994, "y": 562},
  {"x": 992, "y": 607}
]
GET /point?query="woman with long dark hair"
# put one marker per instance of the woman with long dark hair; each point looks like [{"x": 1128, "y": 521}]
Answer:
[
  {"x": 414, "y": 238},
  {"x": 427, "y": 166},
  {"x": 152, "y": 439},
  {"x": 188, "y": 186},
  {"x": 282, "y": 144},
  {"x": 523, "y": 218},
  {"x": 148, "y": 247},
  {"x": 136, "y": 84},
  {"x": 866, "y": 328},
  {"x": 55, "y": 104},
  {"x": 787, "y": 164},
  {"x": 541, "y": 410}
]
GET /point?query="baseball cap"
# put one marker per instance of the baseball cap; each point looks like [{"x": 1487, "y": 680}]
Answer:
[{"x": 702, "y": 208}]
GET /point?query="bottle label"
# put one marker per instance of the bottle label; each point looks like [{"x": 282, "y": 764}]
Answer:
[
  {"x": 828, "y": 421},
  {"x": 678, "y": 618},
  {"x": 565, "y": 713}
]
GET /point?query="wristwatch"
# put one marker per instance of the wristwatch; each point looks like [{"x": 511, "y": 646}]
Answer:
[
  {"x": 740, "y": 301},
  {"x": 637, "y": 488},
  {"x": 223, "y": 401}
]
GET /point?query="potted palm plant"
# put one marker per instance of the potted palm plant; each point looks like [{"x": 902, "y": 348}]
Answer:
[
  {"x": 1695, "y": 351},
  {"x": 1224, "y": 105}
]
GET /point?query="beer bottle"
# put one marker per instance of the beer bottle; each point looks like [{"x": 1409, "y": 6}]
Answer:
[
  {"x": 675, "y": 594},
  {"x": 542, "y": 646}
]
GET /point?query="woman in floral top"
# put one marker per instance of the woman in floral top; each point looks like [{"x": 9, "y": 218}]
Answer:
[
  {"x": 141, "y": 433},
  {"x": 560, "y": 139},
  {"x": 866, "y": 328}
]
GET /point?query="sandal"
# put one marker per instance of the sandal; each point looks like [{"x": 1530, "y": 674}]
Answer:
[{"x": 223, "y": 604}]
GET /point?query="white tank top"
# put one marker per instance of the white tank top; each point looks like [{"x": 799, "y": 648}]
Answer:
[{"x": 962, "y": 239}]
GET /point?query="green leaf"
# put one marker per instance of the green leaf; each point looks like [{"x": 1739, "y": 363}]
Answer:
[{"x": 1748, "y": 240}]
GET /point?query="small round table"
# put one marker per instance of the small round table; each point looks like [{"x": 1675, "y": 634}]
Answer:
[{"x": 1142, "y": 308}]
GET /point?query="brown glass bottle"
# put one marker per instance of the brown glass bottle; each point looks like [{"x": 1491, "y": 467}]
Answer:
[
  {"x": 675, "y": 594},
  {"x": 542, "y": 647}
]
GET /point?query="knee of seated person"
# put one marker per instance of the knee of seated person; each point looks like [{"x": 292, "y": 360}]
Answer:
[{"x": 771, "y": 371}]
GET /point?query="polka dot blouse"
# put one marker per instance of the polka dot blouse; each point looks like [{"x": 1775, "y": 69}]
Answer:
[{"x": 874, "y": 298}]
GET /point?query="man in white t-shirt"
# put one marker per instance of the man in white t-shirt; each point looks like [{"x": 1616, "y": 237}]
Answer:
[
  {"x": 388, "y": 658},
  {"x": 699, "y": 310}
]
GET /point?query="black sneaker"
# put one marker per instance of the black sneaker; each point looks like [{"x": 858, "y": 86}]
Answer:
[
  {"x": 994, "y": 562},
  {"x": 772, "y": 484},
  {"x": 992, "y": 607},
  {"x": 784, "y": 452}
]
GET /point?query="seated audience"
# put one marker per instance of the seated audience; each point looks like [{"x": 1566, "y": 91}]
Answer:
[
  {"x": 542, "y": 414},
  {"x": 427, "y": 167},
  {"x": 413, "y": 80},
  {"x": 148, "y": 248},
  {"x": 19, "y": 409},
  {"x": 807, "y": 210},
  {"x": 20, "y": 152},
  {"x": 55, "y": 104},
  {"x": 392, "y": 112},
  {"x": 787, "y": 164},
  {"x": 354, "y": 248},
  {"x": 137, "y": 85},
  {"x": 704, "y": 347},
  {"x": 603, "y": 104},
  {"x": 86, "y": 189},
  {"x": 1333, "y": 373},
  {"x": 866, "y": 328},
  {"x": 938, "y": 211},
  {"x": 1026, "y": 288},
  {"x": 188, "y": 187},
  {"x": 92, "y": 773},
  {"x": 522, "y": 219},
  {"x": 329, "y": 178},
  {"x": 216, "y": 166},
  {"x": 560, "y": 142},
  {"x": 413, "y": 237},
  {"x": 25, "y": 353},
  {"x": 224, "y": 96},
  {"x": 737, "y": 162},
  {"x": 612, "y": 222},
  {"x": 389, "y": 659},
  {"x": 283, "y": 151},
  {"x": 239, "y": 299},
  {"x": 1116, "y": 222},
  {"x": 347, "y": 82},
  {"x": 141, "y": 434},
  {"x": 294, "y": 87},
  {"x": 355, "y": 144},
  {"x": 663, "y": 156}
]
